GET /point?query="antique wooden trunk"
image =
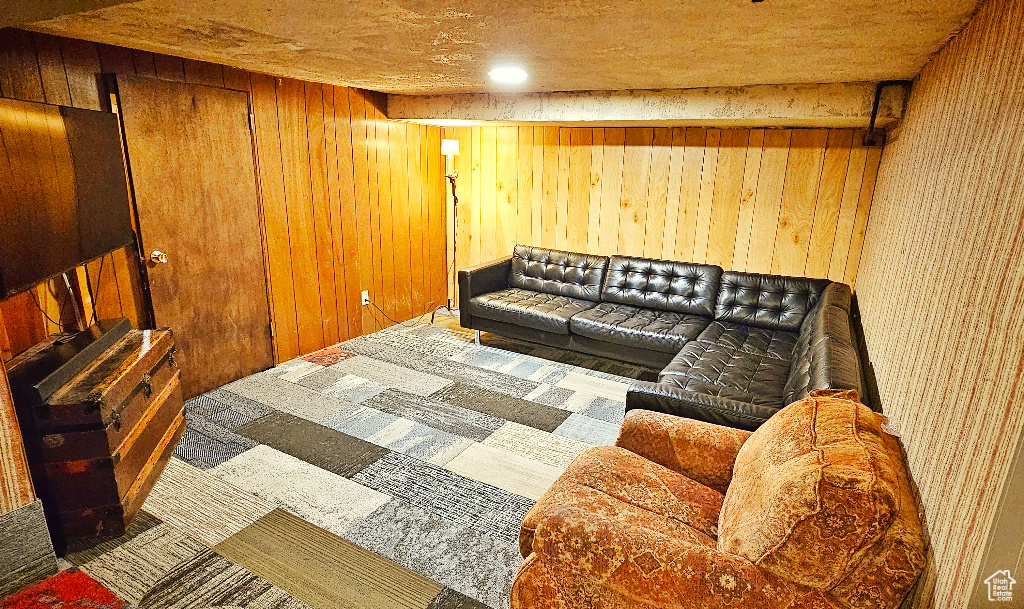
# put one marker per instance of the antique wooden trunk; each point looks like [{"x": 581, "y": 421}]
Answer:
[{"x": 97, "y": 445}]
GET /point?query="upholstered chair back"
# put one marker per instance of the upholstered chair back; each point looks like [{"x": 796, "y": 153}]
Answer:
[
  {"x": 557, "y": 272},
  {"x": 820, "y": 496},
  {"x": 767, "y": 301},
  {"x": 681, "y": 287}
]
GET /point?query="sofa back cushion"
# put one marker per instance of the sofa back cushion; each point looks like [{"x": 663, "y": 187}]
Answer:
[
  {"x": 767, "y": 301},
  {"x": 825, "y": 355},
  {"x": 680, "y": 287},
  {"x": 820, "y": 495},
  {"x": 557, "y": 272}
]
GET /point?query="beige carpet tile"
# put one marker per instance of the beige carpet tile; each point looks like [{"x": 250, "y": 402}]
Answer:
[
  {"x": 505, "y": 469},
  {"x": 203, "y": 505},
  {"x": 324, "y": 498},
  {"x": 536, "y": 444},
  {"x": 324, "y": 570},
  {"x": 594, "y": 385}
]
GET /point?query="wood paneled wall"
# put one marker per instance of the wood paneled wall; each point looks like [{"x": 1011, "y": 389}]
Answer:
[
  {"x": 793, "y": 202},
  {"x": 350, "y": 201},
  {"x": 941, "y": 289}
]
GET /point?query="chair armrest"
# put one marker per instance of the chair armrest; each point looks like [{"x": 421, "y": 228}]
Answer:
[
  {"x": 481, "y": 279},
  {"x": 655, "y": 569},
  {"x": 663, "y": 397},
  {"x": 703, "y": 452}
]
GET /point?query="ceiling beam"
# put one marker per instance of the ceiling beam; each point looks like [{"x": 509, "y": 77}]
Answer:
[
  {"x": 841, "y": 105},
  {"x": 14, "y": 12}
]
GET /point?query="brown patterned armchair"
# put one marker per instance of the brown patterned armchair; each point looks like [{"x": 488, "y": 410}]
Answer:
[{"x": 817, "y": 512}]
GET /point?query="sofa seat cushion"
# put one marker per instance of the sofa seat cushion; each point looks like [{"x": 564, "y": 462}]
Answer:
[
  {"x": 642, "y": 328},
  {"x": 735, "y": 361},
  {"x": 537, "y": 310},
  {"x": 615, "y": 483}
]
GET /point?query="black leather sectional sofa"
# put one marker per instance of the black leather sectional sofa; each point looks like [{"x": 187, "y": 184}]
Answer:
[{"x": 736, "y": 347}]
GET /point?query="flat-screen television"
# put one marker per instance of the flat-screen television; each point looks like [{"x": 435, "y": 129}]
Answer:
[{"x": 63, "y": 191}]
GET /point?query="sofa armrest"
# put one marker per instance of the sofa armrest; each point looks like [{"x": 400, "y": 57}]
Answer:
[
  {"x": 481, "y": 279},
  {"x": 703, "y": 452},
  {"x": 663, "y": 397},
  {"x": 631, "y": 561}
]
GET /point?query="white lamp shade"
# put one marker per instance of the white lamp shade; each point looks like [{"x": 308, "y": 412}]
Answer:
[{"x": 450, "y": 147}]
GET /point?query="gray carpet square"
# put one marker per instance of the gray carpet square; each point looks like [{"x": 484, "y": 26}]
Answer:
[
  {"x": 447, "y": 495},
  {"x": 453, "y": 554},
  {"x": 322, "y": 446},
  {"x": 503, "y": 406},
  {"x": 466, "y": 422},
  {"x": 206, "y": 444}
]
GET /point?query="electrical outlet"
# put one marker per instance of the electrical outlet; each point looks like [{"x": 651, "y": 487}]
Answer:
[{"x": 366, "y": 297}]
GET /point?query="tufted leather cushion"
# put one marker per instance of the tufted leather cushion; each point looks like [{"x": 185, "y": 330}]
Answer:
[
  {"x": 557, "y": 272},
  {"x": 767, "y": 301},
  {"x": 621, "y": 324},
  {"x": 537, "y": 310},
  {"x": 820, "y": 497},
  {"x": 659, "y": 284},
  {"x": 734, "y": 361},
  {"x": 825, "y": 356}
]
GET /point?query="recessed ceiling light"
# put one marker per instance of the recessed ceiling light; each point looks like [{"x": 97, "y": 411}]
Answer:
[{"x": 508, "y": 75}]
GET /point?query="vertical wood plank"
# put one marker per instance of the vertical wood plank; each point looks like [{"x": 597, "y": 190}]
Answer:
[
  {"x": 829, "y": 201},
  {"x": 578, "y": 210},
  {"x": 361, "y": 149},
  {"x": 507, "y": 186},
  {"x": 689, "y": 192},
  {"x": 549, "y": 212},
  {"x": 611, "y": 190},
  {"x": 860, "y": 224},
  {"x": 537, "y": 202},
  {"x": 236, "y": 79},
  {"x": 745, "y": 217},
  {"x": 291, "y": 107},
  {"x": 594, "y": 212},
  {"x": 203, "y": 73},
  {"x": 768, "y": 200},
  {"x": 709, "y": 173},
  {"x": 348, "y": 216},
  {"x": 488, "y": 196},
  {"x": 562, "y": 194},
  {"x": 51, "y": 69},
  {"x": 418, "y": 222},
  {"x": 675, "y": 178},
  {"x": 19, "y": 67},
  {"x": 657, "y": 198},
  {"x": 168, "y": 67},
  {"x": 275, "y": 217},
  {"x": 401, "y": 219},
  {"x": 385, "y": 216},
  {"x": 82, "y": 65},
  {"x": 116, "y": 60},
  {"x": 524, "y": 187},
  {"x": 323, "y": 238},
  {"x": 636, "y": 174},
  {"x": 848, "y": 208},
  {"x": 725, "y": 206},
  {"x": 807, "y": 153},
  {"x": 476, "y": 229}
]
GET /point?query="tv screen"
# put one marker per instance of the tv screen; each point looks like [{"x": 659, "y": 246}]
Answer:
[{"x": 63, "y": 191}]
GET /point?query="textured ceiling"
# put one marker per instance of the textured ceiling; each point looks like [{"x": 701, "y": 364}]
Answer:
[{"x": 424, "y": 46}]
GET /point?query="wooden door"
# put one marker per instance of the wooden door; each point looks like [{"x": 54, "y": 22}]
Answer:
[{"x": 190, "y": 151}]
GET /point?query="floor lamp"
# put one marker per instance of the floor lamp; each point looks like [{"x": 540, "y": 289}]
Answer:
[{"x": 450, "y": 150}]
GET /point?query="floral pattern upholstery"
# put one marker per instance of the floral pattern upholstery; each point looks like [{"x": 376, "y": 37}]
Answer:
[{"x": 817, "y": 513}]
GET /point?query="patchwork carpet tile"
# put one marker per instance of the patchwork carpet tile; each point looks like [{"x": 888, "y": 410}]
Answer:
[
  {"x": 324, "y": 498},
  {"x": 392, "y": 470},
  {"x": 460, "y": 556},
  {"x": 67, "y": 589},
  {"x": 203, "y": 505},
  {"x": 325, "y": 570},
  {"x": 447, "y": 494},
  {"x": 505, "y": 469},
  {"x": 313, "y": 443}
]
